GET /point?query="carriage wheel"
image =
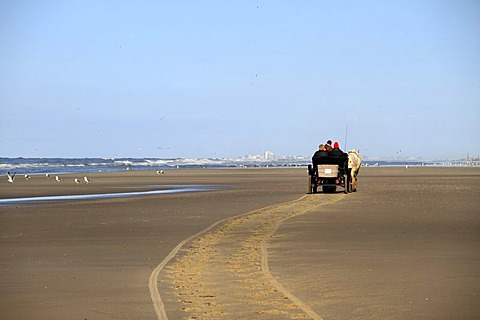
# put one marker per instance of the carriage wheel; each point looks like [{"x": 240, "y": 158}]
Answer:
[
  {"x": 310, "y": 185},
  {"x": 349, "y": 181}
]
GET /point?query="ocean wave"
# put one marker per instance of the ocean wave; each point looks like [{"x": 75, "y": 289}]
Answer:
[{"x": 67, "y": 165}]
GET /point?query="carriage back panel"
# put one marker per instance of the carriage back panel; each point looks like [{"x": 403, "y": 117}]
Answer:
[{"x": 327, "y": 170}]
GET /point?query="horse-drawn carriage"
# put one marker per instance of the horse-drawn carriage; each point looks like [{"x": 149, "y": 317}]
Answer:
[{"x": 329, "y": 172}]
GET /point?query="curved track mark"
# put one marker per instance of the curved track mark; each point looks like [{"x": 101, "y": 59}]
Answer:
[
  {"x": 153, "y": 280},
  {"x": 235, "y": 253}
]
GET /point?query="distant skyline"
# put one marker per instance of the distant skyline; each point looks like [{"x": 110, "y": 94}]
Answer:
[{"x": 190, "y": 79}]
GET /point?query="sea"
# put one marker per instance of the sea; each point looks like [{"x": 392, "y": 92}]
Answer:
[{"x": 32, "y": 166}]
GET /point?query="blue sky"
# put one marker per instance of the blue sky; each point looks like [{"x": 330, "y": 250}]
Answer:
[{"x": 229, "y": 78}]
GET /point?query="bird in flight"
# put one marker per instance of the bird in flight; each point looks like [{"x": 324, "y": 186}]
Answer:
[{"x": 10, "y": 177}]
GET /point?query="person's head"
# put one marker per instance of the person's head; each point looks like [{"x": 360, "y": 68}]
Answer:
[
  {"x": 336, "y": 145},
  {"x": 329, "y": 142},
  {"x": 321, "y": 147}
]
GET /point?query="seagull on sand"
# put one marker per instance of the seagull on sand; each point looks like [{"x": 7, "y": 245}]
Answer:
[
  {"x": 27, "y": 177},
  {"x": 77, "y": 181},
  {"x": 10, "y": 177},
  {"x": 58, "y": 179},
  {"x": 87, "y": 181},
  {"x": 160, "y": 172},
  {"x": 47, "y": 176}
]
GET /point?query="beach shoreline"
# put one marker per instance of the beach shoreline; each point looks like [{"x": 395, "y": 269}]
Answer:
[{"x": 93, "y": 258}]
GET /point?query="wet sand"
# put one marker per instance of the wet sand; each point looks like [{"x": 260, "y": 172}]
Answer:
[{"x": 404, "y": 247}]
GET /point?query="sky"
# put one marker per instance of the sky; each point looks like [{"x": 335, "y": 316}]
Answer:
[{"x": 222, "y": 79}]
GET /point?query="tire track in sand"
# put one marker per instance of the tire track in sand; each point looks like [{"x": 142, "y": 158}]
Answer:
[{"x": 222, "y": 272}]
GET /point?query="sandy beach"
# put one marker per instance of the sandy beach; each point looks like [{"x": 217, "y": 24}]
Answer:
[{"x": 405, "y": 246}]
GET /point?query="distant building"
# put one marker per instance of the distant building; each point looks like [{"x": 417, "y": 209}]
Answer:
[{"x": 268, "y": 155}]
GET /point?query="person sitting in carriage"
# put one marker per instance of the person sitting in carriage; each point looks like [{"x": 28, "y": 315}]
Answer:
[
  {"x": 340, "y": 156},
  {"x": 337, "y": 152},
  {"x": 328, "y": 146},
  {"x": 321, "y": 152}
]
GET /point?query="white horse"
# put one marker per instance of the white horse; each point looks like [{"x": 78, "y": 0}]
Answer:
[{"x": 354, "y": 163}]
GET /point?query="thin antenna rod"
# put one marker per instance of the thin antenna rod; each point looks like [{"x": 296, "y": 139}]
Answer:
[{"x": 346, "y": 129}]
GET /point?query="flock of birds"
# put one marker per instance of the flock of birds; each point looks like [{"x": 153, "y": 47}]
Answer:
[
  {"x": 86, "y": 180},
  {"x": 11, "y": 178}
]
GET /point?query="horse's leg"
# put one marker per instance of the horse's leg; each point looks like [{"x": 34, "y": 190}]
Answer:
[{"x": 354, "y": 181}]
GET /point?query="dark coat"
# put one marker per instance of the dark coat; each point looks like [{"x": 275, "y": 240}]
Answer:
[
  {"x": 320, "y": 154},
  {"x": 337, "y": 153}
]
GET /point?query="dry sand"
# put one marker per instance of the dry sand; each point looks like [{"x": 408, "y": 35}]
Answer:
[{"x": 404, "y": 247}]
